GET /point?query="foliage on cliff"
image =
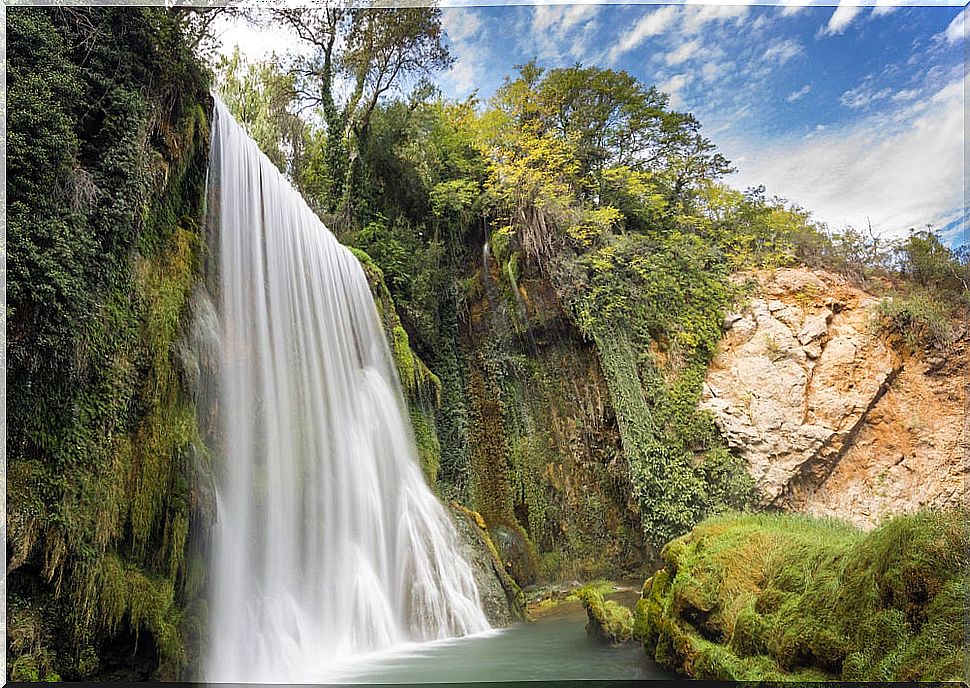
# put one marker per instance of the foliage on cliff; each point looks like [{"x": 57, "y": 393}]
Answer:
[
  {"x": 107, "y": 146},
  {"x": 771, "y": 597},
  {"x": 559, "y": 257}
]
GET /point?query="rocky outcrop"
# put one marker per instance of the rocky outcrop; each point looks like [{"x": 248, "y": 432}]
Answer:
[{"x": 831, "y": 419}]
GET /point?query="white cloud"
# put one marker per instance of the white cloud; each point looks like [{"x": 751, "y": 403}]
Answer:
[
  {"x": 464, "y": 29},
  {"x": 688, "y": 20},
  {"x": 798, "y": 94},
  {"x": 560, "y": 30},
  {"x": 956, "y": 31},
  {"x": 899, "y": 172},
  {"x": 650, "y": 24},
  {"x": 696, "y": 17},
  {"x": 713, "y": 70},
  {"x": 673, "y": 87},
  {"x": 864, "y": 95},
  {"x": 683, "y": 52},
  {"x": 782, "y": 51},
  {"x": 883, "y": 7},
  {"x": 904, "y": 95},
  {"x": 559, "y": 19},
  {"x": 844, "y": 14},
  {"x": 459, "y": 24}
]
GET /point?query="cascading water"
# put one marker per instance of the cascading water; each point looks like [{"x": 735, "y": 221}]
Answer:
[{"x": 328, "y": 543}]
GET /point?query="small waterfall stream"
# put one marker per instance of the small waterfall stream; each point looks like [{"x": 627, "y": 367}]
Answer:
[{"x": 328, "y": 542}]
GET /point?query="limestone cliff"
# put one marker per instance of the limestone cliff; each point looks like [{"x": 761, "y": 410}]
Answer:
[{"x": 831, "y": 419}]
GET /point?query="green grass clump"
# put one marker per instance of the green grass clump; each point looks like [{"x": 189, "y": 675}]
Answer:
[
  {"x": 788, "y": 597},
  {"x": 917, "y": 320}
]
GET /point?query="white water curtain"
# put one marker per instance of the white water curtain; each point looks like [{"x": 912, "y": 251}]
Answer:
[{"x": 328, "y": 542}]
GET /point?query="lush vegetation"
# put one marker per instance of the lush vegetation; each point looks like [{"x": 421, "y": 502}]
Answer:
[
  {"x": 773, "y": 597},
  {"x": 552, "y": 267},
  {"x": 572, "y": 225},
  {"x": 107, "y": 147}
]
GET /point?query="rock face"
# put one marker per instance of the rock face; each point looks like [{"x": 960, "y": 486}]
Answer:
[
  {"x": 502, "y": 600},
  {"x": 831, "y": 419}
]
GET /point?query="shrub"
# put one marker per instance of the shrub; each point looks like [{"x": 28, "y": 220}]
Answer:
[{"x": 918, "y": 320}]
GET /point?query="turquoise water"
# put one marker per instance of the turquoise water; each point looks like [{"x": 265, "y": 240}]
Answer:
[{"x": 551, "y": 649}]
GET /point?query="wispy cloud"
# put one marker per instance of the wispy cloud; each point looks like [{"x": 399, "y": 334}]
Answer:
[
  {"x": 714, "y": 70},
  {"x": 465, "y": 30},
  {"x": 687, "y": 20},
  {"x": 898, "y": 173},
  {"x": 799, "y": 93},
  {"x": 683, "y": 52},
  {"x": 884, "y": 7},
  {"x": 650, "y": 24},
  {"x": 956, "y": 31},
  {"x": 558, "y": 31},
  {"x": 674, "y": 87},
  {"x": 782, "y": 51},
  {"x": 904, "y": 95},
  {"x": 864, "y": 95},
  {"x": 844, "y": 15},
  {"x": 696, "y": 17}
]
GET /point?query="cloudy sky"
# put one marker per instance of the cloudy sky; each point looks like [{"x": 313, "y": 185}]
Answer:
[{"x": 857, "y": 113}]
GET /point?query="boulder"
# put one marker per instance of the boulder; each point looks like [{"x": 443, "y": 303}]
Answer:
[{"x": 609, "y": 622}]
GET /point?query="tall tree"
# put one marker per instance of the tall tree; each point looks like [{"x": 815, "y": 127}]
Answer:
[
  {"x": 262, "y": 98},
  {"x": 356, "y": 57}
]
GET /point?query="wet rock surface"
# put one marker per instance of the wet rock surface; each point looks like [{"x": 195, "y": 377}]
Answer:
[{"x": 501, "y": 598}]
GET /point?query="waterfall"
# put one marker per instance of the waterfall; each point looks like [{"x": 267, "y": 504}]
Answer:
[{"x": 328, "y": 543}]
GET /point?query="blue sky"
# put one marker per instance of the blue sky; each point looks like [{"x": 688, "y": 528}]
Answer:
[{"x": 857, "y": 113}]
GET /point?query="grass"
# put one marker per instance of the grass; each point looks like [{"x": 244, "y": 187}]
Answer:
[{"x": 786, "y": 597}]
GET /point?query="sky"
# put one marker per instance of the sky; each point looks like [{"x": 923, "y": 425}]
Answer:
[{"x": 854, "y": 112}]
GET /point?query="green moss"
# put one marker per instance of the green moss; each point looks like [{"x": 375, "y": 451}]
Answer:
[
  {"x": 99, "y": 504},
  {"x": 429, "y": 448},
  {"x": 759, "y": 597},
  {"x": 608, "y": 620}
]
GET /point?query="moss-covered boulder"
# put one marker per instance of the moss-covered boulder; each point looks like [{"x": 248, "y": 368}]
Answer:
[
  {"x": 609, "y": 621},
  {"x": 783, "y": 597}
]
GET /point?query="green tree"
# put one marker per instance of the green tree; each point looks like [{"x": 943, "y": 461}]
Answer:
[
  {"x": 928, "y": 262},
  {"x": 262, "y": 97},
  {"x": 376, "y": 51}
]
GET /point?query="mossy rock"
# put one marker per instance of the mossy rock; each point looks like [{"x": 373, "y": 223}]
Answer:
[
  {"x": 784, "y": 597},
  {"x": 609, "y": 621}
]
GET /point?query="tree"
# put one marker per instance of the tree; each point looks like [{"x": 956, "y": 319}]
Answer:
[
  {"x": 371, "y": 52},
  {"x": 262, "y": 98},
  {"x": 610, "y": 119},
  {"x": 927, "y": 261}
]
